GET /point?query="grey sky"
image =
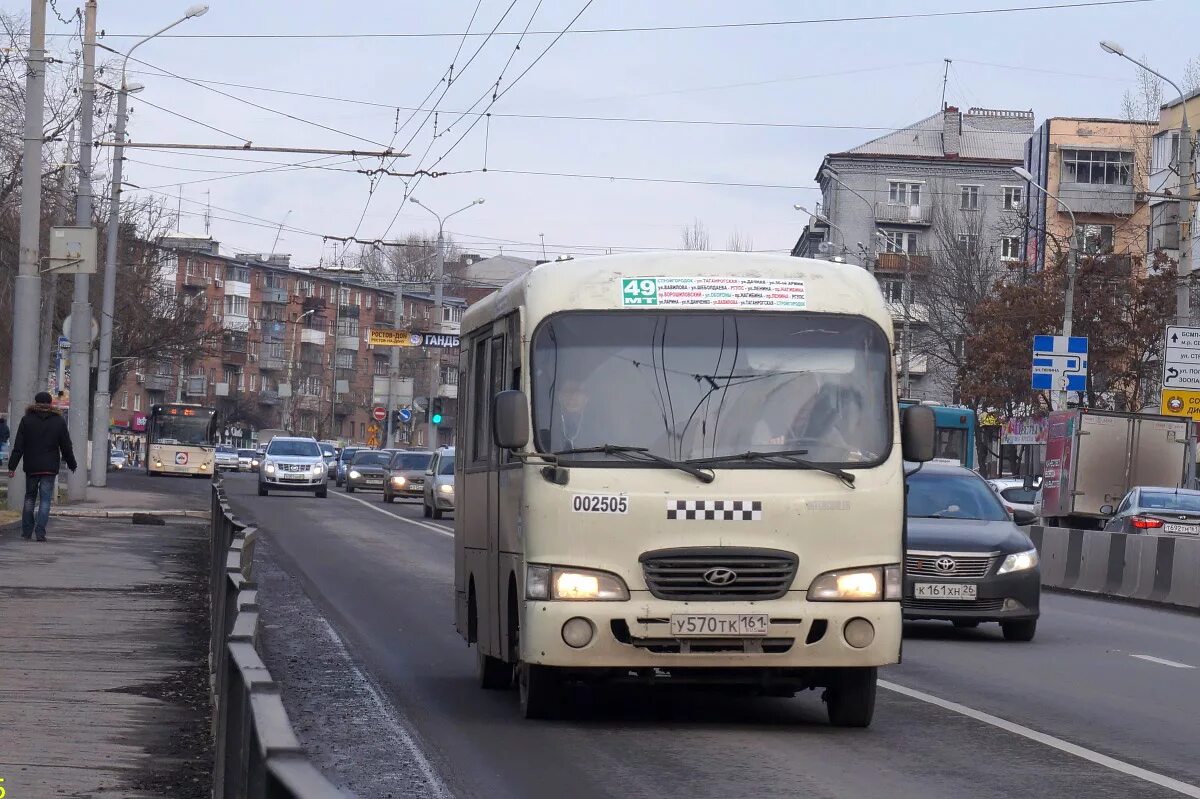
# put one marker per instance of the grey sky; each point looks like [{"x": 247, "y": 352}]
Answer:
[{"x": 869, "y": 74}]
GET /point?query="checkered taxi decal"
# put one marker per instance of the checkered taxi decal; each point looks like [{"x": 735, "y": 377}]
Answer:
[{"x": 729, "y": 510}]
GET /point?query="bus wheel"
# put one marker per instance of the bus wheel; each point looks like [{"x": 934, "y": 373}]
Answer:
[
  {"x": 850, "y": 700},
  {"x": 541, "y": 691},
  {"x": 493, "y": 673}
]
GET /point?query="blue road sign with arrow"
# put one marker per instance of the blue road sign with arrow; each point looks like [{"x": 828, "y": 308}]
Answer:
[
  {"x": 1060, "y": 363},
  {"x": 406, "y": 414}
]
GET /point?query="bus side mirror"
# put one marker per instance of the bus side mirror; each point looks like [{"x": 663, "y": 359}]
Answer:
[
  {"x": 510, "y": 419},
  {"x": 918, "y": 428}
]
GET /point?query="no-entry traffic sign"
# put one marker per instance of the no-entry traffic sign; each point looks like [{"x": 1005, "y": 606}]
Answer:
[{"x": 379, "y": 413}]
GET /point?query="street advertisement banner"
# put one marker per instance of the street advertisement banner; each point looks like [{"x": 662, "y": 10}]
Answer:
[{"x": 1024, "y": 431}]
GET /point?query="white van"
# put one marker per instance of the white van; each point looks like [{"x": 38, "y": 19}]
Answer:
[{"x": 713, "y": 488}]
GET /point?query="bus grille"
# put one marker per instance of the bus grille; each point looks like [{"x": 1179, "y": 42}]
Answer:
[{"x": 701, "y": 573}]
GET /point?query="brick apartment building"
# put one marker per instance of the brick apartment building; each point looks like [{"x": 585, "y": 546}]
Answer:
[{"x": 277, "y": 326}]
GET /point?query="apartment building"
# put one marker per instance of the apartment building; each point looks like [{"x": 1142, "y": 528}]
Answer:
[
  {"x": 1100, "y": 169},
  {"x": 1164, "y": 175},
  {"x": 293, "y": 349},
  {"x": 897, "y": 203}
]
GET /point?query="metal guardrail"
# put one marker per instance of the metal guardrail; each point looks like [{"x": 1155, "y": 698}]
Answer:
[{"x": 257, "y": 753}]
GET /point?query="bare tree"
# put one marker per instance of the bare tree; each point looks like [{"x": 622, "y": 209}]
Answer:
[
  {"x": 739, "y": 243},
  {"x": 695, "y": 236}
]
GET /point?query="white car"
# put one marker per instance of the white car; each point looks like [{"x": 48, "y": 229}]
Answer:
[
  {"x": 117, "y": 459},
  {"x": 292, "y": 463},
  {"x": 226, "y": 458},
  {"x": 1015, "y": 495}
]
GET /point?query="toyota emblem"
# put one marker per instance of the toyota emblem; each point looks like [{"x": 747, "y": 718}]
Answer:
[
  {"x": 720, "y": 576},
  {"x": 946, "y": 565}
]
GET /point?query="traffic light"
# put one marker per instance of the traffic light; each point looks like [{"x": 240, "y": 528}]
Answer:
[{"x": 436, "y": 418}]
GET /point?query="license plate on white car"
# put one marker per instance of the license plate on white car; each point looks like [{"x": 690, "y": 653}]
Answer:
[
  {"x": 1181, "y": 529},
  {"x": 961, "y": 591},
  {"x": 687, "y": 625}
]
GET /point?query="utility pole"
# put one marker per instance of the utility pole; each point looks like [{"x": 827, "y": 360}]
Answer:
[
  {"x": 393, "y": 363},
  {"x": 47, "y": 341},
  {"x": 1187, "y": 179},
  {"x": 333, "y": 393},
  {"x": 27, "y": 293},
  {"x": 81, "y": 303},
  {"x": 435, "y": 360}
]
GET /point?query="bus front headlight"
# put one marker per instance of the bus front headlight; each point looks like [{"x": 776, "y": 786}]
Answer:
[
  {"x": 570, "y": 584},
  {"x": 857, "y": 585}
]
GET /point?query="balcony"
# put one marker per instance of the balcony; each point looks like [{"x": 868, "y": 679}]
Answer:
[
  {"x": 349, "y": 311},
  {"x": 918, "y": 364},
  {"x": 898, "y": 262},
  {"x": 195, "y": 281},
  {"x": 268, "y": 397},
  {"x": 1097, "y": 198},
  {"x": 309, "y": 335},
  {"x": 271, "y": 363},
  {"x": 308, "y": 402},
  {"x": 233, "y": 357},
  {"x": 240, "y": 324},
  {"x": 275, "y": 295},
  {"x": 448, "y": 390},
  {"x": 349, "y": 343},
  {"x": 155, "y": 382},
  {"x": 344, "y": 409},
  {"x": 918, "y": 313},
  {"x": 903, "y": 214}
]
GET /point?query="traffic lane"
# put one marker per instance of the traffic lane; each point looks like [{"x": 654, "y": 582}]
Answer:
[
  {"x": 387, "y": 588},
  {"x": 1079, "y": 678}
]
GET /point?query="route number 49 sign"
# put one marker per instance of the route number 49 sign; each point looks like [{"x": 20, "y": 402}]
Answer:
[{"x": 639, "y": 291}]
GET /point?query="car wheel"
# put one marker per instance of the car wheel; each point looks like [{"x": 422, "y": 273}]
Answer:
[
  {"x": 436, "y": 512},
  {"x": 425, "y": 510},
  {"x": 493, "y": 673},
  {"x": 262, "y": 492},
  {"x": 1019, "y": 630},
  {"x": 349, "y": 488},
  {"x": 850, "y": 701},
  {"x": 322, "y": 492},
  {"x": 966, "y": 624},
  {"x": 541, "y": 690}
]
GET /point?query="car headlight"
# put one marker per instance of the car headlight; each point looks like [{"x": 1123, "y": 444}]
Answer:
[
  {"x": 446, "y": 488},
  {"x": 398, "y": 480},
  {"x": 354, "y": 474},
  {"x": 253, "y": 463},
  {"x": 269, "y": 468},
  {"x": 857, "y": 585},
  {"x": 565, "y": 583},
  {"x": 318, "y": 468},
  {"x": 1019, "y": 562}
]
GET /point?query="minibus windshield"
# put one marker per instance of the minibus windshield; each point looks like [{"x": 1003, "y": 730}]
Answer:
[{"x": 702, "y": 385}]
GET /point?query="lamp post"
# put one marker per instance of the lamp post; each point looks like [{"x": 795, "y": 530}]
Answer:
[
  {"x": 1183, "y": 300},
  {"x": 291, "y": 403},
  {"x": 1072, "y": 264},
  {"x": 103, "y": 399},
  {"x": 435, "y": 362},
  {"x": 906, "y": 334},
  {"x": 825, "y": 221}
]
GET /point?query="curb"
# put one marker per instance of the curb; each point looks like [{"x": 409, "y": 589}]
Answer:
[{"x": 87, "y": 513}]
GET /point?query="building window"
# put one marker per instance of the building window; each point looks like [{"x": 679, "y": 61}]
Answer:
[
  {"x": 347, "y": 326},
  {"x": 345, "y": 360},
  {"x": 900, "y": 241},
  {"x": 362, "y": 430},
  {"x": 892, "y": 288},
  {"x": 369, "y": 298},
  {"x": 900, "y": 193},
  {"x": 449, "y": 374},
  {"x": 380, "y": 367},
  {"x": 236, "y": 306},
  {"x": 1014, "y": 198},
  {"x": 1010, "y": 248},
  {"x": 239, "y": 274},
  {"x": 212, "y": 377},
  {"x": 125, "y": 400},
  {"x": 1095, "y": 238},
  {"x": 451, "y": 313},
  {"x": 1109, "y": 167},
  {"x": 969, "y": 243},
  {"x": 137, "y": 402},
  {"x": 969, "y": 198}
]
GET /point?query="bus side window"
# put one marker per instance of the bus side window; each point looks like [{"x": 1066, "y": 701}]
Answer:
[{"x": 480, "y": 426}]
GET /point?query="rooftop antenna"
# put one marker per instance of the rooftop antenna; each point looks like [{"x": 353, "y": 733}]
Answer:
[
  {"x": 280, "y": 230},
  {"x": 207, "y": 210},
  {"x": 945, "y": 77},
  {"x": 542, "y": 236}
]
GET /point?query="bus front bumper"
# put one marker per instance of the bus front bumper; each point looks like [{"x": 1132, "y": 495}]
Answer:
[{"x": 638, "y": 634}]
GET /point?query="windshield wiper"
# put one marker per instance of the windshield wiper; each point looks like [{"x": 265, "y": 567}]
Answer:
[
  {"x": 788, "y": 455},
  {"x": 644, "y": 455}
]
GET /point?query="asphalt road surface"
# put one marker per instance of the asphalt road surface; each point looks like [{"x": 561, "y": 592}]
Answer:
[{"x": 1104, "y": 703}]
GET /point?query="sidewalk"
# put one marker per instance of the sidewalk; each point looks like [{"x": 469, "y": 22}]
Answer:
[
  {"x": 103, "y": 660},
  {"x": 120, "y": 502}
]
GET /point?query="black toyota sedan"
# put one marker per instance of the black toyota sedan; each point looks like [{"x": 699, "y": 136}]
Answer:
[{"x": 967, "y": 562}]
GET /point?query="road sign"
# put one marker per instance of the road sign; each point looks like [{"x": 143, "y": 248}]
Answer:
[
  {"x": 406, "y": 414},
  {"x": 1177, "y": 402},
  {"x": 64, "y": 343},
  {"x": 1060, "y": 363},
  {"x": 72, "y": 250},
  {"x": 1181, "y": 358},
  {"x": 379, "y": 413}
]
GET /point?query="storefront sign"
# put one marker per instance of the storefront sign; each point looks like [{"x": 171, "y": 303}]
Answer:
[{"x": 1024, "y": 430}]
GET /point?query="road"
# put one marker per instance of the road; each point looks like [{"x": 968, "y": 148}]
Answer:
[{"x": 1104, "y": 703}]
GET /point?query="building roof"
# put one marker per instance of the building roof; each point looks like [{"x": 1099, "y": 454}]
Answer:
[
  {"x": 497, "y": 270},
  {"x": 985, "y": 134}
]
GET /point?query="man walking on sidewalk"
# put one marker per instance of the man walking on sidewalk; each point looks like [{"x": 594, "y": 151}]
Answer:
[{"x": 41, "y": 438}]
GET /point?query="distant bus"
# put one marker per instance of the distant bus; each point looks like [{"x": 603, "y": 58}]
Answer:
[
  {"x": 181, "y": 439},
  {"x": 955, "y": 431}
]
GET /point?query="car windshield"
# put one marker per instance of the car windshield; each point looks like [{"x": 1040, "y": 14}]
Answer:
[
  {"x": 370, "y": 457},
  {"x": 328, "y": 452},
  {"x": 247, "y": 453},
  {"x": 948, "y": 495},
  {"x": 294, "y": 449},
  {"x": 447, "y": 465},
  {"x": 1020, "y": 495},
  {"x": 347, "y": 454},
  {"x": 707, "y": 384},
  {"x": 411, "y": 461},
  {"x": 118, "y": 454},
  {"x": 1161, "y": 500},
  {"x": 226, "y": 450}
]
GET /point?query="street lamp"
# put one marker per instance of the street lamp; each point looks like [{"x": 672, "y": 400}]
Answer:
[
  {"x": 824, "y": 220},
  {"x": 439, "y": 270},
  {"x": 906, "y": 334},
  {"x": 291, "y": 364},
  {"x": 1072, "y": 264},
  {"x": 103, "y": 399},
  {"x": 1183, "y": 300}
]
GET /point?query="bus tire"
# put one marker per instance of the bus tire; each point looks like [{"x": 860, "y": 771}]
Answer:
[
  {"x": 541, "y": 691},
  {"x": 493, "y": 673},
  {"x": 850, "y": 699}
]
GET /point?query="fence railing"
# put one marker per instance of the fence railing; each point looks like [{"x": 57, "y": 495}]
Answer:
[{"x": 257, "y": 754}]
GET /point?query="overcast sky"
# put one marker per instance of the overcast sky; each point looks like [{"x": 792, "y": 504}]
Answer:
[{"x": 855, "y": 76}]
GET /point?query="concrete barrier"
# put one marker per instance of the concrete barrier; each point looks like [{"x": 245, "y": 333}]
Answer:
[{"x": 1154, "y": 568}]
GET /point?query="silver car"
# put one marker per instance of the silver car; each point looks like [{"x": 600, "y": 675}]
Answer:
[
  {"x": 226, "y": 458},
  {"x": 1151, "y": 510},
  {"x": 439, "y": 484},
  {"x": 293, "y": 464}
]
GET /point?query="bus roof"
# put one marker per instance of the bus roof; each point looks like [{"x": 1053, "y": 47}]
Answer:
[{"x": 600, "y": 283}]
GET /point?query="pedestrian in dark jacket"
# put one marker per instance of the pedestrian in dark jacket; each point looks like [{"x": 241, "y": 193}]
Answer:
[{"x": 42, "y": 438}]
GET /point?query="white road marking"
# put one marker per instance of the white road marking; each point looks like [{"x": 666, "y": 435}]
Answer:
[
  {"x": 1183, "y": 788},
  {"x": 1163, "y": 662},
  {"x": 436, "y": 528},
  {"x": 397, "y": 721}
]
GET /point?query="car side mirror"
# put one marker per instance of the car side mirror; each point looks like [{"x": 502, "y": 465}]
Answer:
[
  {"x": 1107, "y": 510},
  {"x": 1024, "y": 517},
  {"x": 917, "y": 433},
  {"x": 510, "y": 419}
]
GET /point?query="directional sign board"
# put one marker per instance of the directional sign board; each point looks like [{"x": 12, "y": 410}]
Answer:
[
  {"x": 1181, "y": 358},
  {"x": 1060, "y": 363}
]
